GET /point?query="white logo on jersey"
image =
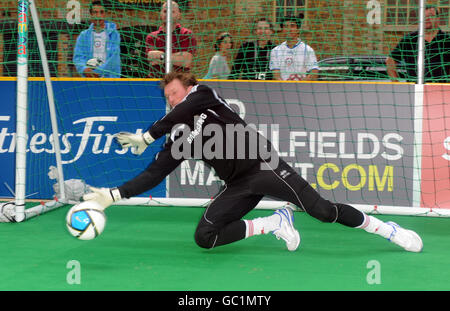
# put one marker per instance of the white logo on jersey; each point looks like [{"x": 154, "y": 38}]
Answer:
[{"x": 197, "y": 128}]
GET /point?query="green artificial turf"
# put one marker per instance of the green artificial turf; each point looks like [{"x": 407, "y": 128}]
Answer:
[{"x": 153, "y": 248}]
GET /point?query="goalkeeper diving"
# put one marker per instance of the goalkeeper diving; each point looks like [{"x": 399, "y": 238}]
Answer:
[{"x": 248, "y": 178}]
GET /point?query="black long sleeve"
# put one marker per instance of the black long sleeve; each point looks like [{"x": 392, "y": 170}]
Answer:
[
  {"x": 152, "y": 176},
  {"x": 205, "y": 103},
  {"x": 200, "y": 99}
]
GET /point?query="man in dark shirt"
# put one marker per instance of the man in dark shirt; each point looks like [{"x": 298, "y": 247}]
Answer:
[
  {"x": 253, "y": 57},
  {"x": 437, "y": 52},
  {"x": 200, "y": 119},
  {"x": 184, "y": 45}
]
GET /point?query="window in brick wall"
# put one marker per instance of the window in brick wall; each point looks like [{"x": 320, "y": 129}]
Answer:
[
  {"x": 444, "y": 7},
  {"x": 403, "y": 14},
  {"x": 289, "y": 7}
]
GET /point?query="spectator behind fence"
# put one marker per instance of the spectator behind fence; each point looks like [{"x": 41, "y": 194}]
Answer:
[
  {"x": 437, "y": 52},
  {"x": 97, "y": 50},
  {"x": 252, "y": 59},
  {"x": 218, "y": 66},
  {"x": 184, "y": 45},
  {"x": 293, "y": 59}
]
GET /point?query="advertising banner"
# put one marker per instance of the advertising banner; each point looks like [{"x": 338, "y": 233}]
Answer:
[
  {"x": 352, "y": 142},
  {"x": 435, "y": 179},
  {"x": 89, "y": 113}
]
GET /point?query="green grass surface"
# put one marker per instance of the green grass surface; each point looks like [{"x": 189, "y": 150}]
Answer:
[{"x": 153, "y": 248}]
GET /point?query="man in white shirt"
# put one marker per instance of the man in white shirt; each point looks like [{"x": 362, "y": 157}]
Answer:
[
  {"x": 293, "y": 59},
  {"x": 100, "y": 39}
]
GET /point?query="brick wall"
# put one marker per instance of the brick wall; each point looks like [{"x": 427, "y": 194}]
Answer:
[{"x": 332, "y": 27}]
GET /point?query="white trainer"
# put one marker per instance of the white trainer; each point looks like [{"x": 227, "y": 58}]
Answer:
[
  {"x": 407, "y": 239},
  {"x": 286, "y": 229}
]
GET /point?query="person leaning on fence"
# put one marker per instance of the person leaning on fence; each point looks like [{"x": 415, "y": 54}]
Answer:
[
  {"x": 437, "y": 52},
  {"x": 252, "y": 59},
  {"x": 97, "y": 50},
  {"x": 293, "y": 59},
  {"x": 184, "y": 45},
  {"x": 218, "y": 66}
]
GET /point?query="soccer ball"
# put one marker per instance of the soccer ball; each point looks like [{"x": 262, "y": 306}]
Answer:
[{"x": 86, "y": 220}]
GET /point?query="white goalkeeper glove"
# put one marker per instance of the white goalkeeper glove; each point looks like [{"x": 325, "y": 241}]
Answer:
[
  {"x": 94, "y": 62},
  {"x": 138, "y": 141},
  {"x": 103, "y": 196}
]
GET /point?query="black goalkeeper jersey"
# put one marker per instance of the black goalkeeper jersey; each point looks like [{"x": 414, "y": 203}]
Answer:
[{"x": 233, "y": 154}]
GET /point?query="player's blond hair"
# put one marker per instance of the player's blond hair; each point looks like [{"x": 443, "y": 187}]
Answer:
[{"x": 186, "y": 78}]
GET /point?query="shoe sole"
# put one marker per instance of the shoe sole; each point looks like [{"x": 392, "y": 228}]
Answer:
[
  {"x": 298, "y": 241},
  {"x": 290, "y": 217},
  {"x": 417, "y": 238},
  {"x": 414, "y": 235}
]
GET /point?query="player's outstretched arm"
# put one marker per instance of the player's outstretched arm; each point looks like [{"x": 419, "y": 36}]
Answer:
[
  {"x": 152, "y": 176},
  {"x": 139, "y": 141},
  {"x": 103, "y": 196}
]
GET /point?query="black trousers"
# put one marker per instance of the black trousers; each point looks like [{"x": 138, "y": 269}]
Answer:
[{"x": 221, "y": 222}]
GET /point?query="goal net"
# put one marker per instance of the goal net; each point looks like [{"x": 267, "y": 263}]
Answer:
[{"x": 356, "y": 136}]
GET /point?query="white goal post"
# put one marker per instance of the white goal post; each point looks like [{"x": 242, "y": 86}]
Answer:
[{"x": 22, "y": 111}]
